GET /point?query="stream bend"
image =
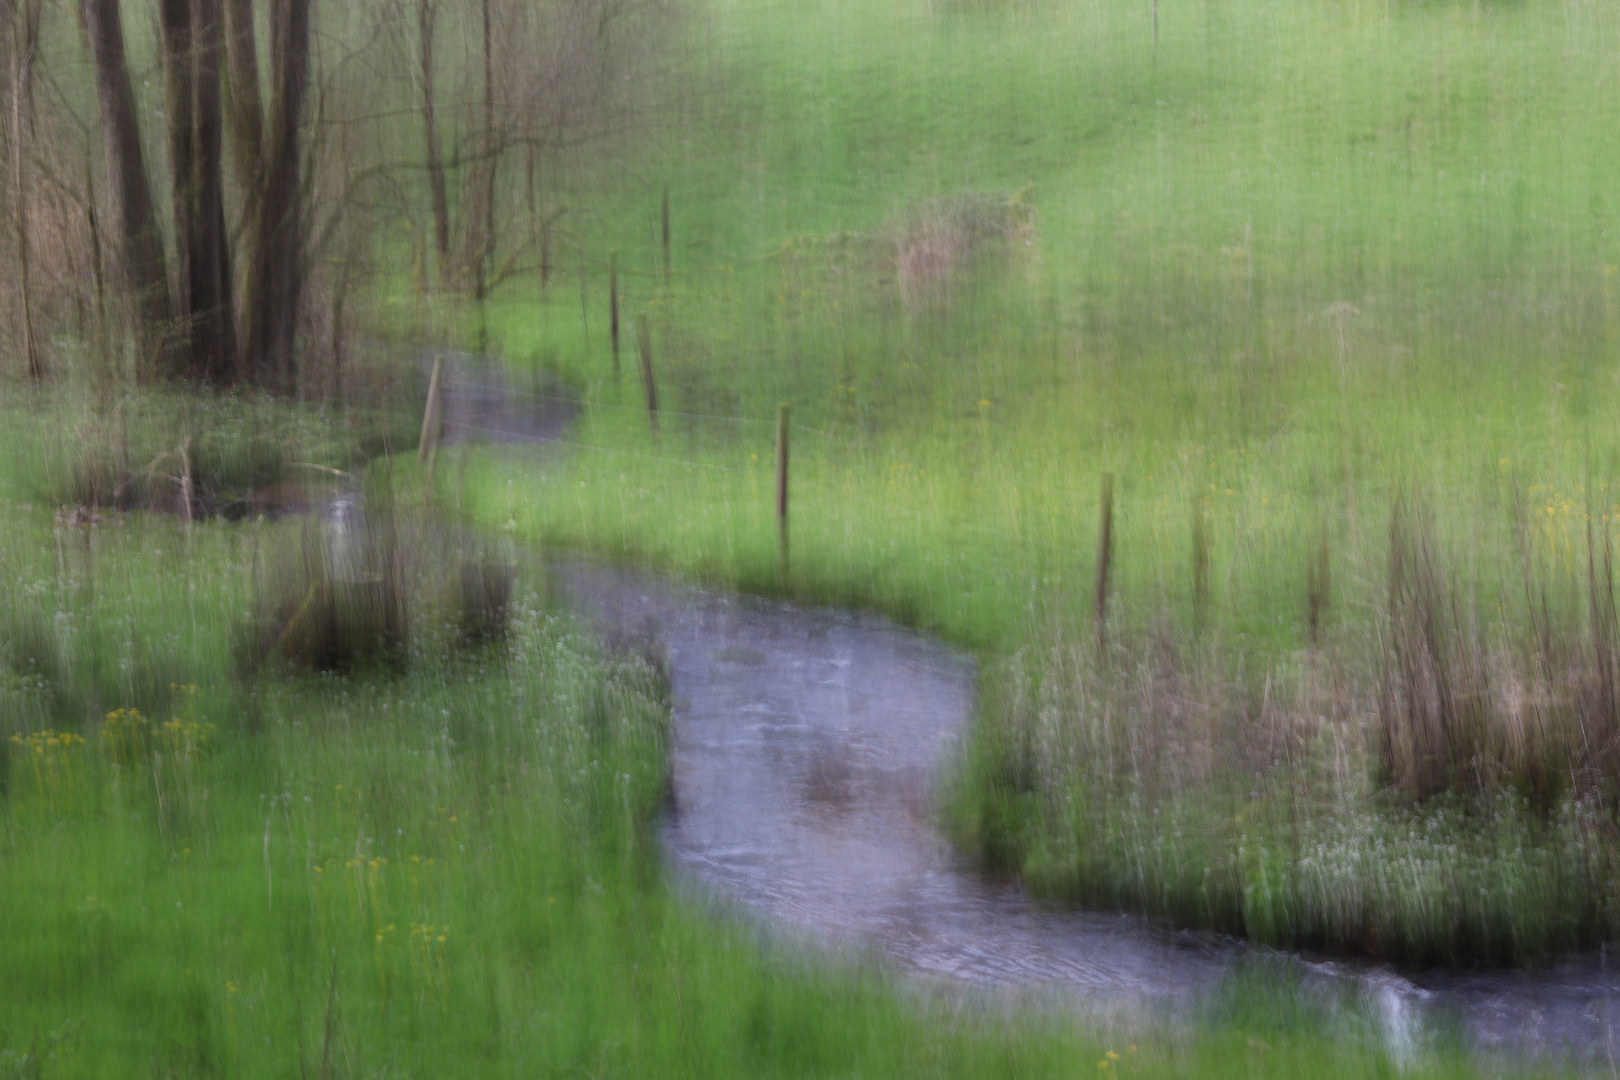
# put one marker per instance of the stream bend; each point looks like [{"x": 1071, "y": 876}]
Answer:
[{"x": 806, "y": 742}]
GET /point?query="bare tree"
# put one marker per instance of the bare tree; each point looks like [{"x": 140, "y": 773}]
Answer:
[
  {"x": 141, "y": 259},
  {"x": 273, "y": 245},
  {"x": 483, "y": 249},
  {"x": 244, "y": 106},
  {"x": 537, "y": 78},
  {"x": 213, "y": 351},
  {"x": 267, "y": 154},
  {"x": 282, "y": 165},
  {"x": 23, "y": 16},
  {"x": 427, "y": 12},
  {"x": 191, "y": 47},
  {"x": 174, "y": 18}
]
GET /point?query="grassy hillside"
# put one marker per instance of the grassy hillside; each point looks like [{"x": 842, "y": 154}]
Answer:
[{"x": 1279, "y": 271}]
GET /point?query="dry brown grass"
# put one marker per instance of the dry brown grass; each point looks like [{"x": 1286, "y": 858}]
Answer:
[
  {"x": 1413, "y": 786},
  {"x": 1419, "y": 702},
  {"x": 933, "y": 244},
  {"x": 333, "y": 599},
  {"x": 923, "y": 256},
  {"x": 364, "y": 583},
  {"x": 1532, "y": 708},
  {"x": 1167, "y": 718}
]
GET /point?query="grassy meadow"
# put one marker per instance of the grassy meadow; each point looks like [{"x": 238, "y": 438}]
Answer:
[
  {"x": 439, "y": 858},
  {"x": 1328, "y": 290},
  {"x": 1282, "y": 271}
]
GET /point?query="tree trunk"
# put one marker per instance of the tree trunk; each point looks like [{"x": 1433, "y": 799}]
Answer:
[
  {"x": 426, "y": 14},
  {"x": 244, "y": 109},
  {"x": 191, "y": 47},
  {"x": 25, "y": 45},
  {"x": 244, "y": 120},
  {"x": 275, "y": 241},
  {"x": 140, "y": 243},
  {"x": 97, "y": 269},
  {"x": 174, "y": 18},
  {"x": 212, "y": 341},
  {"x": 485, "y": 250}
]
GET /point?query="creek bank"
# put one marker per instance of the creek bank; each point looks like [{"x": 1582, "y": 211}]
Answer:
[{"x": 806, "y": 743}]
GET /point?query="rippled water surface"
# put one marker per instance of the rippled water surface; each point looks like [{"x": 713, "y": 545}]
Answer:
[{"x": 805, "y": 744}]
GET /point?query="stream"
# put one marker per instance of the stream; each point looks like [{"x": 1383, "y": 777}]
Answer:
[{"x": 806, "y": 745}]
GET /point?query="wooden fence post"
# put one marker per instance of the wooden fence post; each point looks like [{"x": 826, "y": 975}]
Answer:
[
  {"x": 613, "y": 310},
  {"x": 1200, "y": 567},
  {"x": 784, "y": 412},
  {"x": 427, "y": 448},
  {"x": 185, "y": 477},
  {"x": 666, "y": 233},
  {"x": 1105, "y": 552},
  {"x": 430, "y": 417},
  {"x": 1318, "y": 589},
  {"x": 545, "y": 259},
  {"x": 644, "y": 346},
  {"x": 584, "y": 305}
]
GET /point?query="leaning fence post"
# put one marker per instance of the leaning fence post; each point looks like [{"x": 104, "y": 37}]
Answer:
[
  {"x": 784, "y": 412},
  {"x": 1200, "y": 567},
  {"x": 430, "y": 417},
  {"x": 613, "y": 310},
  {"x": 1105, "y": 551},
  {"x": 644, "y": 347},
  {"x": 427, "y": 448},
  {"x": 185, "y": 477}
]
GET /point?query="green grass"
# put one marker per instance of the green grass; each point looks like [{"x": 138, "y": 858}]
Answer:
[
  {"x": 126, "y": 449},
  {"x": 1288, "y": 265},
  {"x": 449, "y": 868},
  {"x": 1191, "y": 345}
]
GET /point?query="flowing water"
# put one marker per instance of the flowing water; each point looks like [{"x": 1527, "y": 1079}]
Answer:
[{"x": 806, "y": 746}]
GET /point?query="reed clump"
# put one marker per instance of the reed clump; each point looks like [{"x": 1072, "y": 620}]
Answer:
[
  {"x": 193, "y": 453},
  {"x": 366, "y": 581},
  {"x": 1425, "y": 787},
  {"x": 933, "y": 243},
  {"x": 331, "y": 601},
  {"x": 924, "y": 255},
  {"x": 480, "y": 596},
  {"x": 1531, "y": 707}
]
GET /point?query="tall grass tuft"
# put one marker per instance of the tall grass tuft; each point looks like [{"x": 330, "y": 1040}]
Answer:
[
  {"x": 1434, "y": 704},
  {"x": 364, "y": 578},
  {"x": 329, "y": 602},
  {"x": 1416, "y": 787}
]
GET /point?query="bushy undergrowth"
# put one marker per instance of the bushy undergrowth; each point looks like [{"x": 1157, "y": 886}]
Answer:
[
  {"x": 175, "y": 451},
  {"x": 367, "y": 581},
  {"x": 301, "y": 872}
]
